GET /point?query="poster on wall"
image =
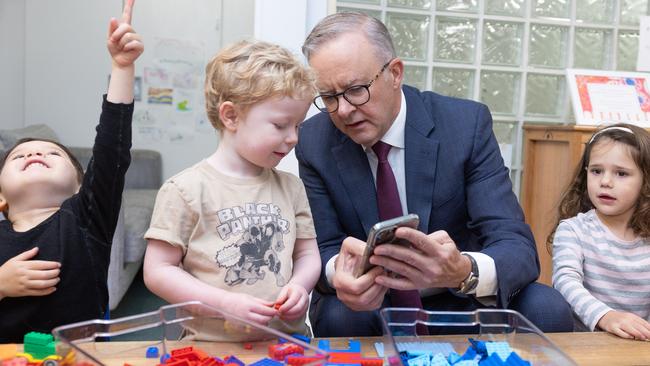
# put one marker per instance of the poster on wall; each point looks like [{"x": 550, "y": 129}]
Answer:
[
  {"x": 172, "y": 93},
  {"x": 607, "y": 97}
]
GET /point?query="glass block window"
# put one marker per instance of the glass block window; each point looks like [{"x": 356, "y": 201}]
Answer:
[{"x": 509, "y": 54}]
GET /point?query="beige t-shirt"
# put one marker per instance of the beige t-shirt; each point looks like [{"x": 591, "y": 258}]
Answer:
[{"x": 237, "y": 234}]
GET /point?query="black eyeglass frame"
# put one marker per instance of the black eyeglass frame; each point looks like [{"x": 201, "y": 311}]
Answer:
[{"x": 337, "y": 95}]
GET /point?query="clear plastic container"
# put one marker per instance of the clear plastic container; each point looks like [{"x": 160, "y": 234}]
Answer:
[
  {"x": 103, "y": 342},
  {"x": 402, "y": 325}
]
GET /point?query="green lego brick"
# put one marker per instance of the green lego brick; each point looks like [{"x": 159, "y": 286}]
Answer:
[{"x": 39, "y": 345}]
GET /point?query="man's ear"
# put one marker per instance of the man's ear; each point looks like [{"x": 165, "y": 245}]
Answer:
[
  {"x": 396, "y": 69},
  {"x": 228, "y": 115}
]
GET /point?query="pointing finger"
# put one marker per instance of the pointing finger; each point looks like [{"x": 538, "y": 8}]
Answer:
[{"x": 127, "y": 12}]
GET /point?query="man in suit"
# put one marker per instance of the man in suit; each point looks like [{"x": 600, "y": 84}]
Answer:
[{"x": 472, "y": 248}]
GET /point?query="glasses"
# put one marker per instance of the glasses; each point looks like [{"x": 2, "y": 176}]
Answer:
[{"x": 356, "y": 95}]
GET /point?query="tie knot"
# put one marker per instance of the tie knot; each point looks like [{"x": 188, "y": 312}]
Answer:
[{"x": 381, "y": 149}]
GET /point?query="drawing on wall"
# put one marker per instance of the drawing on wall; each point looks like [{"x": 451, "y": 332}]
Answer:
[
  {"x": 159, "y": 96},
  {"x": 607, "y": 97},
  {"x": 173, "y": 80}
]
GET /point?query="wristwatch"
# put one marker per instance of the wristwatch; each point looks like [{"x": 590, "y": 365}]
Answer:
[{"x": 471, "y": 281}]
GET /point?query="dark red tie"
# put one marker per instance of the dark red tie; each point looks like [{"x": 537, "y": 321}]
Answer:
[{"x": 390, "y": 207}]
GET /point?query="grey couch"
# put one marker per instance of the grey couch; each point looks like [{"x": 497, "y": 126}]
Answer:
[{"x": 143, "y": 179}]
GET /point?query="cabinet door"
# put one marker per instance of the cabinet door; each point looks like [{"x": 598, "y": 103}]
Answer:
[{"x": 551, "y": 157}]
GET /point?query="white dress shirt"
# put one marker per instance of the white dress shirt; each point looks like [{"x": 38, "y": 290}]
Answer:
[{"x": 487, "y": 285}]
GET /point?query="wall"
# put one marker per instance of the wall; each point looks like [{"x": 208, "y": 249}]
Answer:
[
  {"x": 12, "y": 59},
  {"x": 287, "y": 23},
  {"x": 59, "y": 66}
]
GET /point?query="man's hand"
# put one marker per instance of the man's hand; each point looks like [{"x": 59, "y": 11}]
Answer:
[
  {"x": 359, "y": 294},
  {"x": 20, "y": 276},
  {"x": 433, "y": 261},
  {"x": 124, "y": 45},
  {"x": 625, "y": 325}
]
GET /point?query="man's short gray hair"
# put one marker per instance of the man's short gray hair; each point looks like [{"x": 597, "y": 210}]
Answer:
[{"x": 334, "y": 25}]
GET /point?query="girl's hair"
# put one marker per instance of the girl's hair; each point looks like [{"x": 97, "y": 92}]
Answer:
[
  {"x": 75, "y": 163},
  {"x": 248, "y": 72},
  {"x": 576, "y": 198},
  {"x": 334, "y": 25}
]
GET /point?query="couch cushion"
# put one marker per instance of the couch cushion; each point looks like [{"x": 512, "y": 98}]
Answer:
[
  {"x": 138, "y": 207},
  {"x": 9, "y": 137}
]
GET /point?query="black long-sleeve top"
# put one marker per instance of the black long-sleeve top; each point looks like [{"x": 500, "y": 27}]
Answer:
[{"x": 78, "y": 235}]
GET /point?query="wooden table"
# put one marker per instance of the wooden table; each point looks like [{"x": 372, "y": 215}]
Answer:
[{"x": 585, "y": 348}]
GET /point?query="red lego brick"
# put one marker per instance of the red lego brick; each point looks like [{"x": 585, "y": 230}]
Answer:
[
  {"x": 279, "y": 351},
  {"x": 301, "y": 360}
]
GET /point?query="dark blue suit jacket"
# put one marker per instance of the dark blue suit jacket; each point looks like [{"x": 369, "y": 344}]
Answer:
[{"x": 455, "y": 181}]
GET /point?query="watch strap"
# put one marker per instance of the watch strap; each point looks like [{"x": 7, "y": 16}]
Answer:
[{"x": 471, "y": 281}]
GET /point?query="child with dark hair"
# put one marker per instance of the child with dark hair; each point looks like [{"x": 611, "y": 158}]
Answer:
[
  {"x": 601, "y": 247},
  {"x": 56, "y": 242}
]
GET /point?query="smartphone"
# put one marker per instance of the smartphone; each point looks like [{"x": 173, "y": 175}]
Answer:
[{"x": 381, "y": 233}]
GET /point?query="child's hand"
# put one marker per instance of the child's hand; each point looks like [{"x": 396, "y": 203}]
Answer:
[
  {"x": 625, "y": 325},
  {"x": 124, "y": 45},
  {"x": 250, "y": 308},
  {"x": 295, "y": 301},
  {"x": 20, "y": 276}
]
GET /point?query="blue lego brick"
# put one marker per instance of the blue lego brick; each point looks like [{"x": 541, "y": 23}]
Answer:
[
  {"x": 439, "y": 360},
  {"x": 515, "y": 360},
  {"x": 493, "y": 360},
  {"x": 453, "y": 358},
  {"x": 479, "y": 347},
  {"x": 354, "y": 346},
  {"x": 500, "y": 348},
  {"x": 424, "y": 360},
  {"x": 152, "y": 352},
  {"x": 233, "y": 359},
  {"x": 417, "y": 348},
  {"x": 466, "y": 363},
  {"x": 470, "y": 354},
  {"x": 165, "y": 357},
  {"x": 266, "y": 362},
  {"x": 303, "y": 338}
]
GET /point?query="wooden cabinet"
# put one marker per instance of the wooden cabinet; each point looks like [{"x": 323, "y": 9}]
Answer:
[{"x": 551, "y": 155}]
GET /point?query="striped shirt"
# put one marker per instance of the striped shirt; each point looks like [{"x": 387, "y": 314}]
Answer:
[{"x": 597, "y": 272}]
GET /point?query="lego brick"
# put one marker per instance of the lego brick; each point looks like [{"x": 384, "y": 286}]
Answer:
[
  {"x": 354, "y": 346},
  {"x": 500, "y": 348},
  {"x": 266, "y": 362},
  {"x": 152, "y": 352}
]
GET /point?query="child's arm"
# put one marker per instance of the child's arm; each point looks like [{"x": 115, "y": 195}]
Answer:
[
  {"x": 125, "y": 46},
  {"x": 165, "y": 278},
  {"x": 100, "y": 196},
  {"x": 20, "y": 276},
  {"x": 568, "y": 276},
  {"x": 294, "y": 297}
]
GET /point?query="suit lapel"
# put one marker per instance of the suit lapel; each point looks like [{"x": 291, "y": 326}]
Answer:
[
  {"x": 355, "y": 173},
  {"x": 421, "y": 155}
]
